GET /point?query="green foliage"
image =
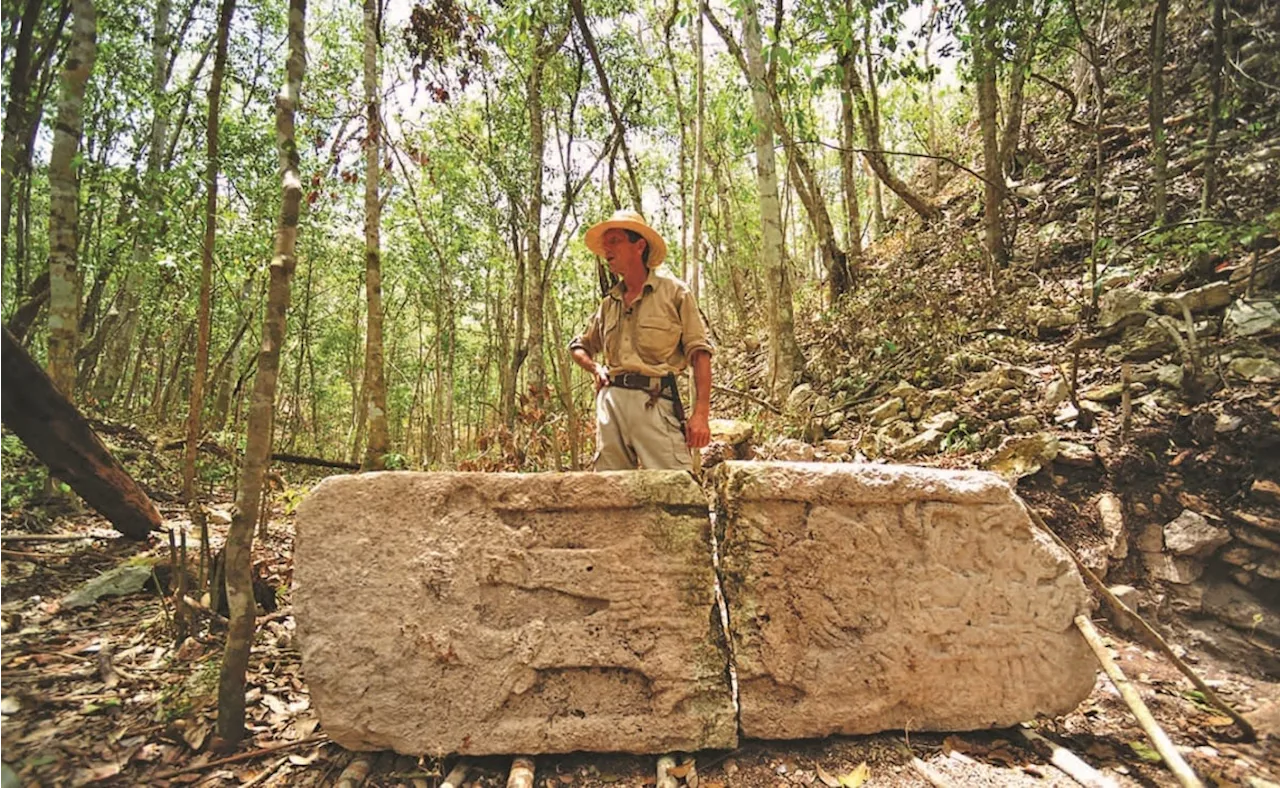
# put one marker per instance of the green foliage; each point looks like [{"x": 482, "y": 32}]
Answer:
[{"x": 24, "y": 476}]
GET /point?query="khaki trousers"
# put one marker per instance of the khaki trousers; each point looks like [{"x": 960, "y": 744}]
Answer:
[{"x": 630, "y": 435}]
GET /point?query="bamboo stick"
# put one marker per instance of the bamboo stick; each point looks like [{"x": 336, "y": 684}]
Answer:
[
  {"x": 1159, "y": 739},
  {"x": 1071, "y": 764},
  {"x": 1123, "y": 610}
]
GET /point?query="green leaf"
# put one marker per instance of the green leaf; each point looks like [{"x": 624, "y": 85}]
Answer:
[{"x": 1145, "y": 752}]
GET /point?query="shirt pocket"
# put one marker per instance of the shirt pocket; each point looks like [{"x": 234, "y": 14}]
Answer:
[{"x": 657, "y": 338}]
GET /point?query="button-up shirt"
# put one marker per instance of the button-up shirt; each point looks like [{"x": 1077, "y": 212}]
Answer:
[{"x": 654, "y": 336}]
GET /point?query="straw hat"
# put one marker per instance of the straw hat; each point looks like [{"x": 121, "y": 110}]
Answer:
[{"x": 627, "y": 220}]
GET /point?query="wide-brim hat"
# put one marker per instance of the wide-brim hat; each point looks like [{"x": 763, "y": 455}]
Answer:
[{"x": 628, "y": 220}]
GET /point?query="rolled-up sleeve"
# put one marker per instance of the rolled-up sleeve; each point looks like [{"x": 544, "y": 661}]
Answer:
[
  {"x": 693, "y": 330},
  {"x": 590, "y": 339}
]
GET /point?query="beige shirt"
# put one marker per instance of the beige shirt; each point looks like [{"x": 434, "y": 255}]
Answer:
[{"x": 654, "y": 336}]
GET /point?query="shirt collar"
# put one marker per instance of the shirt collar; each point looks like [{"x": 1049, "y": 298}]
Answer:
[{"x": 650, "y": 284}]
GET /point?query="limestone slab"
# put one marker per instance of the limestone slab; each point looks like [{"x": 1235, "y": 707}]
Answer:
[
  {"x": 872, "y": 597},
  {"x": 511, "y": 613}
]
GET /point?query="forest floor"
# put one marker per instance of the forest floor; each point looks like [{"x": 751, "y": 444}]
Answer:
[{"x": 102, "y": 694}]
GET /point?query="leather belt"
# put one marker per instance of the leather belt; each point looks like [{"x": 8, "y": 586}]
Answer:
[{"x": 634, "y": 380}]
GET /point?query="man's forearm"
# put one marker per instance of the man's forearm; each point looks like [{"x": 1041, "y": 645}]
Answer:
[
  {"x": 583, "y": 359},
  {"x": 702, "y": 381}
]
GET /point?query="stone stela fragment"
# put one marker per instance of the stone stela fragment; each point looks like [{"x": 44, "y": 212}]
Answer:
[
  {"x": 865, "y": 598},
  {"x": 549, "y": 613},
  {"x": 499, "y": 613}
]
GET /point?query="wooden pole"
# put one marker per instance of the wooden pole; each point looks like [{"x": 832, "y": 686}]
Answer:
[
  {"x": 1159, "y": 739},
  {"x": 55, "y": 431}
]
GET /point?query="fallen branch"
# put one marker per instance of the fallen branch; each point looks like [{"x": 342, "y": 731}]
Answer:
[
  {"x": 1070, "y": 763},
  {"x": 243, "y": 756},
  {"x": 37, "y": 556},
  {"x": 746, "y": 396},
  {"x": 1123, "y": 610},
  {"x": 1159, "y": 739},
  {"x": 51, "y": 537},
  {"x": 266, "y": 773}
]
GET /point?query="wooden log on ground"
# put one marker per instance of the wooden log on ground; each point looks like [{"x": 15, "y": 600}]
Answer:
[
  {"x": 665, "y": 779},
  {"x": 55, "y": 431},
  {"x": 1159, "y": 739},
  {"x": 356, "y": 773},
  {"x": 522, "y": 768},
  {"x": 456, "y": 775}
]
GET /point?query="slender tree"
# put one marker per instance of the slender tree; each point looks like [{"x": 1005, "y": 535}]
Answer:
[
  {"x": 14, "y": 123},
  {"x": 986, "y": 58},
  {"x": 699, "y": 148},
  {"x": 239, "y": 548},
  {"x": 1216, "y": 63},
  {"x": 195, "y": 404},
  {"x": 64, "y": 187},
  {"x": 375, "y": 384},
  {"x": 1155, "y": 106},
  {"x": 785, "y": 359}
]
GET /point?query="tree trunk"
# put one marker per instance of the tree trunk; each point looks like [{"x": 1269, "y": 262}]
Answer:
[
  {"x": 49, "y": 424},
  {"x": 64, "y": 193},
  {"x": 1216, "y": 63},
  {"x": 378, "y": 443},
  {"x": 807, "y": 185},
  {"x": 1155, "y": 106},
  {"x": 1019, "y": 68},
  {"x": 869, "y": 120},
  {"x": 853, "y": 216},
  {"x": 620, "y": 128},
  {"x": 699, "y": 154},
  {"x": 785, "y": 360},
  {"x": 196, "y": 403},
  {"x": 535, "y": 284},
  {"x": 37, "y": 296},
  {"x": 15, "y": 119},
  {"x": 935, "y": 181},
  {"x": 682, "y": 121},
  {"x": 986, "y": 56},
  {"x": 239, "y": 549}
]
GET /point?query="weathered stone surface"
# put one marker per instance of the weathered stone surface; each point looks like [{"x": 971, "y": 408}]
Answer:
[
  {"x": 1173, "y": 569},
  {"x": 1190, "y": 534},
  {"x": 1214, "y": 295},
  {"x": 886, "y": 411},
  {"x": 872, "y": 597},
  {"x": 1245, "y": 318},
  {"x": 500, "y": 613}
]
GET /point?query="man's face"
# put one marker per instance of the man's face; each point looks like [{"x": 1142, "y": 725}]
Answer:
[{"x": 621, "y": 252}]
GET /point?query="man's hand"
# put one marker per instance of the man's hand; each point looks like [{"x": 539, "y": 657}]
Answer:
[
  {"x": 600, "y": 376},
  {"x": 697, "y": 432}
]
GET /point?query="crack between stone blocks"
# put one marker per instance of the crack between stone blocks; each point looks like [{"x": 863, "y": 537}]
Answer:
[{"x": 722, "y": 607}]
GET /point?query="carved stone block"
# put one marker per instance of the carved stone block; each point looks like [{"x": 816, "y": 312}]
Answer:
[
  {"x": 507, "y": 613},
  {"x": 867, "y": 597}
]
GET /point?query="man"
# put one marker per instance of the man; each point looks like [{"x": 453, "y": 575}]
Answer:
[{"x": 646, "y": 332}]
